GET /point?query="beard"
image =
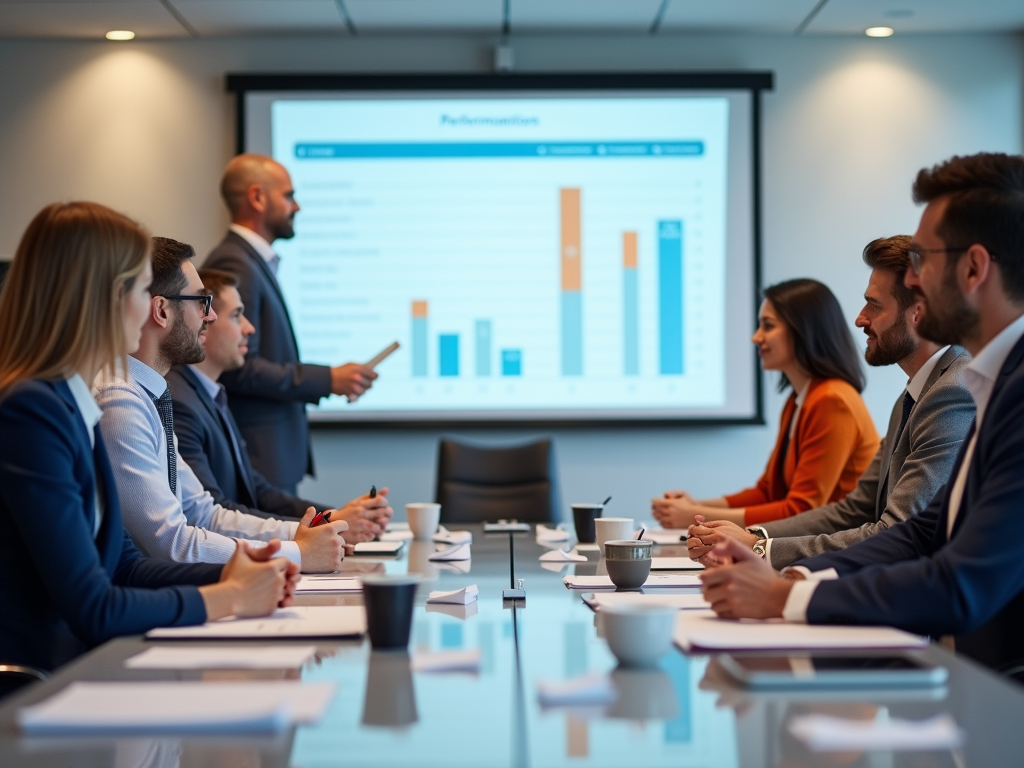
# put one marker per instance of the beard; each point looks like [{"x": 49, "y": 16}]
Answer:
[
  {"x": 182, "y": 345},
  {"x": 948, "y": 318},
  {"x": 892, "y": 345},
  {"x": 283, "y": 228}
]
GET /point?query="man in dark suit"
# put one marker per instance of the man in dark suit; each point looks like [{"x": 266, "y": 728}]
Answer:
[
  {"x": 270, "y": 391},
  {"x": 209, "y": 439},
  {"x": 956, "y": 568}
]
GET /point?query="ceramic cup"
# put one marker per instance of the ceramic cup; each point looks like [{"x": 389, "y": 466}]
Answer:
[
  {"x": 638, "y": 635},
  {"x": 583, "y": 517},
  {"x": 389, "y": 601},
  {"x": 613, "y": 528},
  {"x": 628, "y": 562},
  {"x": 423, "y": 519}
]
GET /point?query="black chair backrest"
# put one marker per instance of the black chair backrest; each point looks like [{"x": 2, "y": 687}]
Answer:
[{"x": 477, "y": 483}]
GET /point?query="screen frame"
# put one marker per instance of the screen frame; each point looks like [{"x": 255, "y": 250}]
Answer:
[{"x": 755, "y": 82}]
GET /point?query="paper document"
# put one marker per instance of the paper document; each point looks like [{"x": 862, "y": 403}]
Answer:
[
  {"x": 655, "y": 580},
  {"x": 675, "y": 564},
  {"x": 687, "y": 601},
  {"x": 562, "y": 556},
  {"x": 463, "y": 596},
  {"x": 176, "y": 707},
  {"x": 389, "y": 547},
  {"x": 822, "y": 733},
  {"x": 703, "y": 629},
  {"x": 222, "y": 657},
  {"x": 295, "y": 621},
  {"x": 457, "y": 552},
  {"x": 328, "y": 584},
  {"x": 447, "y": 661},
  {"x": 665, "y": 535},
  {"x": 594, "y": 688}
]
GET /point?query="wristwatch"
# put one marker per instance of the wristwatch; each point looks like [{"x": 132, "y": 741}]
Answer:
[{"x": 760, "y": 547}]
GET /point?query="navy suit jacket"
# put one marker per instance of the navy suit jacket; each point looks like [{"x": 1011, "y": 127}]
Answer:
[
  {"x": 970, "y": 585},
  {"x": 204, "y": 443},
  {"x": 269, "y": 393},
  {"x": 63, "y": 591}
]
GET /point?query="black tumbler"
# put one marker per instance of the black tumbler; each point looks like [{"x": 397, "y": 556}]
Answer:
[
  {"x": 583, "y": 516},
  {"x": 389, "y": 601}
]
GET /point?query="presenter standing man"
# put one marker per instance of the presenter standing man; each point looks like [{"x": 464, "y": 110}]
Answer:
[{"x": 269, "y": 393}]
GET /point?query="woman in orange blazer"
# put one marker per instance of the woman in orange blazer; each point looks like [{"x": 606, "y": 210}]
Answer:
[{"x": 826, "y": 436}]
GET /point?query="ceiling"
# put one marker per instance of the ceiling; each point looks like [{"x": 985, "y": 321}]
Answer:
[{"x": 211, "y": 18}]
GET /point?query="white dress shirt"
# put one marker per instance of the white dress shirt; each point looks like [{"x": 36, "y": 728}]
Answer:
[
  {"x": 980, "y": 377},
  {"x": 185, "y": 526},
  {"x": 259, "y": 244},
  {"x": 90, "y": 412}
]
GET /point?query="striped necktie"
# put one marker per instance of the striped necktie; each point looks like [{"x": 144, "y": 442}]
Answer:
[{"x": 166, "y": 410}]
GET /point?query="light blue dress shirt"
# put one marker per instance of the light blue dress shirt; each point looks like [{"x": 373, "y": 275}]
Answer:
[{"x": 185, "y": 526}]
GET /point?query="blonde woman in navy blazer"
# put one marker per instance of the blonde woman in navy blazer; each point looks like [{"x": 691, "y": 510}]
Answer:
[{"x": 73, "y": 303}]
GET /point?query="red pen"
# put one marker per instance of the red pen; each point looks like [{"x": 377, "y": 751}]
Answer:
[{"x": 320, "y": 518}]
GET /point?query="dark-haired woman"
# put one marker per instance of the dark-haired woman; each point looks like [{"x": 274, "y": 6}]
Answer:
[{"x": 826, "y": 436}]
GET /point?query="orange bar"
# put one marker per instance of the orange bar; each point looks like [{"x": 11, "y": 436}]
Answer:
[
  {"x": 419, "y": 309},
  {"x": 629, "y": 250},
  {"x": 571, "y": 246}
]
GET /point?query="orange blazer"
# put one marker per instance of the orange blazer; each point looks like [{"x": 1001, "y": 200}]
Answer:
[{"x": 834, "y": 441}]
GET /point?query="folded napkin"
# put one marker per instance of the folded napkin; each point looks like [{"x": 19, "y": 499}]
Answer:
[
  {"x": 447, "y": 661},
  {"x": 562, "y": 556},
  {"x": 457, "y": 552},
  {"x": 822, "y": 733},
  {"x": 595, "y": 688},
  {"x": 444, "y": 536},
  {"x": 463, "y": 596},
  {"x": 551, "y": 534}
]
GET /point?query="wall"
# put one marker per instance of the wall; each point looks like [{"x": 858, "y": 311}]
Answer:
[{"x": 146, "y": 128}]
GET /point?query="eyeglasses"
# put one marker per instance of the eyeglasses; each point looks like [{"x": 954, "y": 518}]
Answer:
[
  {"x": 206, "y": 298},
  {"x": 915, "y": 255}
]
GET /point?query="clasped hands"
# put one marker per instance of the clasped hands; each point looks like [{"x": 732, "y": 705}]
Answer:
[{"x": 676, "y": 509}]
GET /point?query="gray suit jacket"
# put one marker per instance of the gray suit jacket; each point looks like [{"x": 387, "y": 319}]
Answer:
[
  {"x": 916, "y": 468},
  {"x": 269, "y": 393}
]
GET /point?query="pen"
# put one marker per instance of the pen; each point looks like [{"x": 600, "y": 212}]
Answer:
[
  {"x": 373, "y": 491},
  {"x": 320, "y": 518}
]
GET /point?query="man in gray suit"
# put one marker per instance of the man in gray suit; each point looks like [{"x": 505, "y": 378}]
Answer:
[
  {"x": 928, "y": 422},
  {"x": 269, "y": 393}
]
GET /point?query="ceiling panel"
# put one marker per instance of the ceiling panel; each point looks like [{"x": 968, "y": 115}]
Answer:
[
  {"x": 565, "y": 15},
  {"x": 86, "y": 19},
  {"x": 736, "y": 15},
  {"x": 241, "y": 17},
  {"x": 853, "y": 16},
  {"x": 426, "y": 15}
]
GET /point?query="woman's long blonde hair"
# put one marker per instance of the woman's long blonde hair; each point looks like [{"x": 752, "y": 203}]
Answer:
[{"x": 62, "y": 304}]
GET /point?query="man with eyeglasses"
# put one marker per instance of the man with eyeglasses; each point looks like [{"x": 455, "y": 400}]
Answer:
[
  {"x": 956, "y": 568},
  {"x": 165, "y": 509}
]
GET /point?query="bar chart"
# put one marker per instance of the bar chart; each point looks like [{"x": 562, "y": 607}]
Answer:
[{"x": 588, "y": 276}]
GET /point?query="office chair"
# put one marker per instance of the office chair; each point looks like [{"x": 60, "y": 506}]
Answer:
[
  {"x": 15, "y": 676},
  {"x": 477, "y": 483}
]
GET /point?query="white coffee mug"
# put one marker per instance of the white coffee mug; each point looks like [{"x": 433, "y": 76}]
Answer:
[
  {"x": 423, "y": 519},
  {"x": 638, "y": 635},
  {"x": 612, "y": 529}
]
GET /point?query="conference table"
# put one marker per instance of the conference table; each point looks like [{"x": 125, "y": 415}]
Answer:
[{"x": 684, "y": 713}]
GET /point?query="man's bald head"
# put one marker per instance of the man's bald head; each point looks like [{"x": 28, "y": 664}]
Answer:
[{"x": 258, "y": 193}]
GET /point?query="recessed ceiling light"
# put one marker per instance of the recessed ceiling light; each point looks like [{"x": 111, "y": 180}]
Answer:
[
  {"x": 120, "y": 34},
  {"x": 878, "y": 32}
]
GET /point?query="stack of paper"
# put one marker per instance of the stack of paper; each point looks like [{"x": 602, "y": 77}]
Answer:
[
  {"x": 655, "y": 580},
  {"x": 296, "y": 621},
  {"x": 703, "y": 629},
  {"x": 328, "y": 583},
  {"x": 683, "y": 601},
  {"x": 463, "y": 596},
  {"x": 822, "y": 733},
  {"x": 457, "y": 552},
  {"x": 675, "y": 564},
  {"x": 176, "y": 707},
  {"x": 222, "y": 657},
  {"x": 562, "y": 556}
]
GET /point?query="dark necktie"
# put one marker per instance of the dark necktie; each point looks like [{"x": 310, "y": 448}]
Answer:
[
  {"x": 908, "y": 406},
  {"x": 166, "y": 410},
  {"x": 221, "y": 400}
]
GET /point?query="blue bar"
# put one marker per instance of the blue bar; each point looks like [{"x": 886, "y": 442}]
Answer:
[
  {"x": 483, "y": 347},
  {"x": 557, "y": 150},
  {"x": 630, "y": 322},
  {"x": 449, "y": 347},
  {"x": 572, "y": 333},
  {"x": 511, "y": 362},
  {"x": 670, "y": 296},
  {"x": 419, "y": 346}
]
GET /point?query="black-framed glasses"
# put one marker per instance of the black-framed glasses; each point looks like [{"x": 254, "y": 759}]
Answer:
[
  {"x": 206, "y": 298},
  {"x": 915, "y": 255}
]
